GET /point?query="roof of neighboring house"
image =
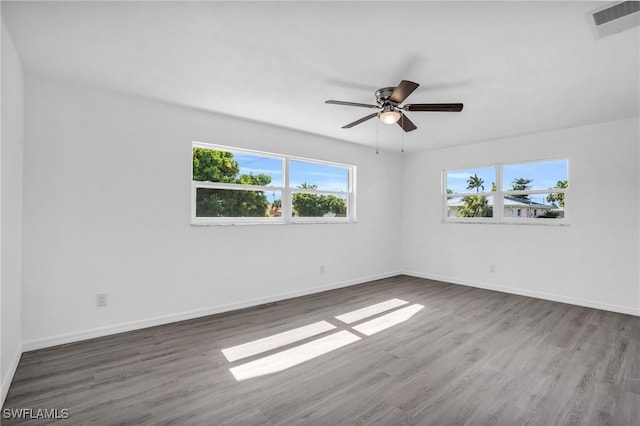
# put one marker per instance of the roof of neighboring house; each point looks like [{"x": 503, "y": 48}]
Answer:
[{"x": 509, "y": 201}]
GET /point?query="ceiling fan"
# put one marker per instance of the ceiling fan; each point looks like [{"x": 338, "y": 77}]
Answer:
[{"x": 388, "y": 101}]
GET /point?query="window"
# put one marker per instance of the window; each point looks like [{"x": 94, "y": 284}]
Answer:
[
  {"x": 318, "y": 190},
  {"x": 534, "y": 192},
  {"x": 470, "y": 193},
  {"x": 234, "y": 186}
]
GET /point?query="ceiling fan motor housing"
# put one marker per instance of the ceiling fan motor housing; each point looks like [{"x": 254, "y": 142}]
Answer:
[{"x": 383, "y": 95}]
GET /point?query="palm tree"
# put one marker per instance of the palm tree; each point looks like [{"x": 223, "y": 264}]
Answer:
[
  {"x": 552, "y": 198},
  {"x": 475, "y": 182},
  {"x": 308, "y": 186},
  {"x": 475, "y": 206}
]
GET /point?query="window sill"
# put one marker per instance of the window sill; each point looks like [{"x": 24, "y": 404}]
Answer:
[
  {"x": 272, "y": 223},
  {"x": 518, "y": 222}
]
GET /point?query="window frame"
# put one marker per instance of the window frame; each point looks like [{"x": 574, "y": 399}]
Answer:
[
  {"x": 500, "y": 193},
  {"x": 285, "y": 190}
]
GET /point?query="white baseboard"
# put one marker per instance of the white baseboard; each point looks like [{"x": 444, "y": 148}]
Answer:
[
  {"x": 30, "y": 345},
  {"x": 8, "y": 378},
  {"x": 529, "y": 293},
  {"x": 60, "y": 339}
]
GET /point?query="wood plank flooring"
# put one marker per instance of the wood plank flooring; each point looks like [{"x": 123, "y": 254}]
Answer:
[{"x": 469, "y": 357}]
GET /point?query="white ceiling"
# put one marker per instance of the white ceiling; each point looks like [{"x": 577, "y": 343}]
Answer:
[{"x": 518, "y": 67}]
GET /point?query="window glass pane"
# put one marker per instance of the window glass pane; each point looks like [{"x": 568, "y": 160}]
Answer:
[
  {"x": 237, "y": 203},
  {"x": 322, "y": 177},
  {"x": 227, "y": 167},
  {"x": 542, "y": 175},
  {"x": 534, "y": 206},
  {"x": 319, "y": 205},
  {"x": 471, "y": 180},
  {"x": 470, "y": 206}
]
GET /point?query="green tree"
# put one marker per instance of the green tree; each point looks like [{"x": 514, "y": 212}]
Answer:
[
  {"x": 475, "y": 182},
  {"x": 558, "y": 198},
  {"x": 220, "y": 166},
  {"x": 475, "y": 206},
  {"x": 230, "y": 203},
  {"x": 315, "y": 205},
  {"x": 214, "y": 166},
  {"x": 521, "y": 184}
]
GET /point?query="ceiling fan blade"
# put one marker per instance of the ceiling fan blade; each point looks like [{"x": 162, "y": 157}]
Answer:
[
  {"x": 433, "y": 107},
  {"x": 406, "y": 124},
  {"x": 362, "y": 120},
  {"x": 404, "y": 89},
  {"x": 350, "y": 104}
]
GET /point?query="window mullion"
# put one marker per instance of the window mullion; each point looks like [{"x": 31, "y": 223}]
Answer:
[
  {"x": 352, "y": 190},
  {"x": 319, "y": 192},
  {"x": 286, "y": 192},
  {"x": 235, "y": 186},
  {"x": 537, "y": 191},
  {"x": 498, "y": 198}
]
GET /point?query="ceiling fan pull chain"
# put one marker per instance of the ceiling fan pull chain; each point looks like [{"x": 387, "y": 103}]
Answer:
[
  {"x": 377, "y": 137},
  {"x": 402, "y": 133}
]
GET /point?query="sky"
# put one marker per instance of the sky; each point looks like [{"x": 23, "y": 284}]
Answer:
[
  {"x": 545, "y": 175},
  {"x": 328, "y": 178}
]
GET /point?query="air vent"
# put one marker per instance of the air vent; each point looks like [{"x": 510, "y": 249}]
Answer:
[{"x": 617, "y": 18}]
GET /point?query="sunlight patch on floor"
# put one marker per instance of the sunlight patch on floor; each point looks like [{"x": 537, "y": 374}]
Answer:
[
  {"x": 351, "y": 317},
  {"x": 376, "y": 325},
  {"x": 277, "y": 340},
  {"x": 291, "y": 357},
  {"x": 296, "y": 355}
]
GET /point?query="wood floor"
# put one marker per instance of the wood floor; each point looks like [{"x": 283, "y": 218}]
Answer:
[{"x": 469, "y": 357}]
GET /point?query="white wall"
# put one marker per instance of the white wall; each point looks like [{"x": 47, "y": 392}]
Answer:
[
  {"x": 11, "y": 208},
  {"x": 592, "y": 262},
  {"x": 107, "y": 205},
  {"x": 106, "y": 209}
]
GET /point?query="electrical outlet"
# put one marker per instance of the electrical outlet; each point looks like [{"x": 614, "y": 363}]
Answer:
[
  {"x": 492, "y": 268},
  {"x": 101, "y": 299}
]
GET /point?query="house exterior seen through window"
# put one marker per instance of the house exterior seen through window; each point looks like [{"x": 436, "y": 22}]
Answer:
[{"x": 532, "y": 192}]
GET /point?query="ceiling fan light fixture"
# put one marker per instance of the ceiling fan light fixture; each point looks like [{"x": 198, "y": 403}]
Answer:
[{"x": 390, "y": 116}]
